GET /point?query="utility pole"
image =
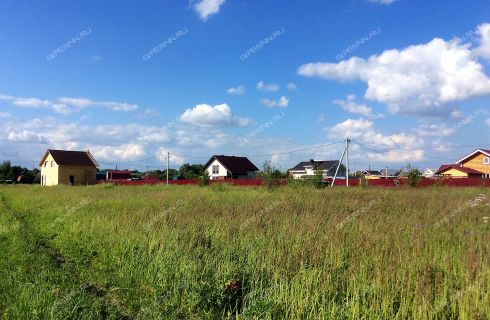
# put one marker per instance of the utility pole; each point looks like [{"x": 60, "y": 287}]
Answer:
[
  {"x": 168, "y": 159},
  {"x": 347, "y": 160}
]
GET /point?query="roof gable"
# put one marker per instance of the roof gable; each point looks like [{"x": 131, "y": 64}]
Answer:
[
  {"x": 482, "y": 151},
  {"x": 457, "y": 167},
  {"x": 70, "y": 158}
]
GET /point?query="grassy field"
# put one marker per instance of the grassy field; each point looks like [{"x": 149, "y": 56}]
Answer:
[{"x": 157, "y": 252}]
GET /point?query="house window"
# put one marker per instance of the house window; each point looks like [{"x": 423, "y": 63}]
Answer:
[
  {"x": 215, "y": 169},
  {"x": 45, "y": 164},
  {"x": 486, "y": 160},
  {"x": 52, "y": 164}
]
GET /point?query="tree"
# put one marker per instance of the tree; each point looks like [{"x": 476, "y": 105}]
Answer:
[{"x": 191, "y": 171}]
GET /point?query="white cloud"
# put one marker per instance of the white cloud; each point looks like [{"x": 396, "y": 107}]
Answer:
[
  {"x": 85, "y": 103},
  {"x": 399, "y": 147},
  {"x": 351, "y": 106},
  {"x": 5, "y": 115},
  {"x": 283, "y": 102},
  {"x": 435, "y": 130},
  {"x": 207, "y": 8},
  {"x": 483, "y": 32},
  {"x": 118, "y": 153},
  {"x": 422, "y": 79},
  {"x": 65, "y": 105},
  {"x": 271, "y": 87},
  {"x": 383, "y": 1},
  {"x": 204, "y": 115},
  {"x": 175, "y": 158},
  {"x": 488, "y": 122},
  {"x": 291, "y": 86},
  {"x": 24, "y": 136},
  {"x": 31, "y": 102},
  {"x": 237, "y": 90}
]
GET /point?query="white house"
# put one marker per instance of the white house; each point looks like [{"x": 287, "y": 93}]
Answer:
[
  {"x": 220, "y": 167},
  {"x": 307, "y": 169},
  {"x": 429, "y": 173}
]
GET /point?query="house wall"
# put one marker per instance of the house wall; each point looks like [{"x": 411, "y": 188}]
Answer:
[
  {"x": 49, "y": 172},
  {"x": 476, "y": 163},
  {"x": 222, "y": 171},
  {"x": 455, "y": 173},
  {"x": 83, "y": 175}
]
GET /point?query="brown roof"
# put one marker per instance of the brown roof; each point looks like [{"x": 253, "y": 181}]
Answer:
[
  {"x": 235, "y": 165},
  {"x": 458, "y": 167},
  {"x": 71, "y": 158}
]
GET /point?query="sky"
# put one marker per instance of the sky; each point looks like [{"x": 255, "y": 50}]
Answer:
[{"x": 407, "y": 81}]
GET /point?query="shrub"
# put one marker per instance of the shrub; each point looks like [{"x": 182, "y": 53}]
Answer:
[
  {"x": 413, "y": 176},
  {"x": 203, "y": 180}
]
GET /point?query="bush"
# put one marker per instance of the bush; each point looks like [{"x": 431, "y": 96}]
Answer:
[
  {"x": 318, "y": 181},
  {"x": 270, "y": 175},
  {"x": 413, "y": 177},
  {"x": 203, "y": 180}
]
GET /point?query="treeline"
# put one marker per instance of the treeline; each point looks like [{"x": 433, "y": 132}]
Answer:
[{"x": 18, "y": 174}]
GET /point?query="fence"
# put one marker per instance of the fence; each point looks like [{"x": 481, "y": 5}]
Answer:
[{"x": 388, "y": 183}]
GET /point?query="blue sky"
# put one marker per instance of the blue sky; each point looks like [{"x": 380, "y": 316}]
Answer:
[{"x": 407, "y": 81}]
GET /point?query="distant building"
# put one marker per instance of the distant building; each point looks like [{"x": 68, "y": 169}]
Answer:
[
  {"x": 67, "y": 167},
  {"x": 111, "y": 175},
  {"x": 389, "y": 174},
  {"x": 429, "y": 173},
  {"x": 307, "y": 169},
  {"x": 474, "y": 165},
  {"x": 457, "y": 171},
  {"x": 478, "y": 160},
  {"x": 369, "y": 174},
  {"x": 220, "y": 167}
]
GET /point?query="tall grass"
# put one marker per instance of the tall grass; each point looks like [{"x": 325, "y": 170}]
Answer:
[{"x": 187, "y": 252}]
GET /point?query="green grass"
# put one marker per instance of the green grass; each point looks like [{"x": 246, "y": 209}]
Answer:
[{"x": 185, "y": 252}]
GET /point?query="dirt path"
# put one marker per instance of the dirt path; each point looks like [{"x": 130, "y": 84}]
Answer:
[{"x": 37, "y": 281}]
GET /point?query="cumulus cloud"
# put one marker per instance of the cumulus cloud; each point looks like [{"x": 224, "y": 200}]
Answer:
[
  {"x": 207, "y": 8},
  {"x": 271, "y": 87},
  {"x": 423, "y": 79},
  {"x": 283, "y": 102},
  {"x": 291, "y": 86},
  {"x": 399, "y": 147},
  {"x": 488, "y": 122},
  {"x": 5, "y": 115},
  {"x": 237, "y": 90},
  {"x": 483, "y": 32},
  {"x": 24, "y": 136},
  {"x": 435, "y": 130},
  {"x": 205, "y": 115},
  {"x": 351, "y": 106},
  {"x": 117, "y": 153},
  {"x": 175, "y": 158}
]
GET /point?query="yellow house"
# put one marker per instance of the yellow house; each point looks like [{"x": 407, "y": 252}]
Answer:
[
  {"x": 478, "y": 160},
  {"x": 67, "y": 167}
]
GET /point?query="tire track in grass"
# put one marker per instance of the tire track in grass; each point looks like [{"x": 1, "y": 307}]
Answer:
[{"x": 45, "y": 263}]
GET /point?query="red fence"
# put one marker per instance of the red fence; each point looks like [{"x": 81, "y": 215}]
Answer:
[{"x": 470, "y": 182}]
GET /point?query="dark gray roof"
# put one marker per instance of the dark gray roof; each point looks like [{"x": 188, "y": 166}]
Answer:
[
  {"x": 71, "y": 158},
  {"x": 235, "y": 165},
  {"x": 316, "y": 164}
]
